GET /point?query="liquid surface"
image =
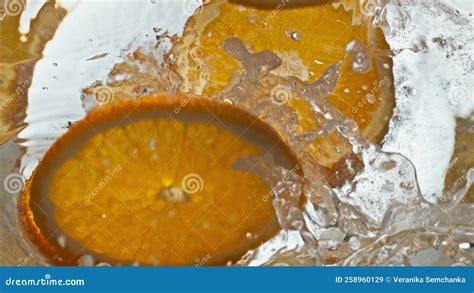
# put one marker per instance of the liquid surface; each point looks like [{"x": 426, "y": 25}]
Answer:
[{"x": 368, "y": 209}]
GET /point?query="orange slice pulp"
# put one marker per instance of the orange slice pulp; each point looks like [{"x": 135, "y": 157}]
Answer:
[
  {"x": 153, "y": 180},
  {"x": 308, "y": 37}
]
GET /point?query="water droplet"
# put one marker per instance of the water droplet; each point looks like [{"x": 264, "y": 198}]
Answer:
[
  {"x": 354, "y": 242},
  {"x": 371, "y": 98},
  {"x": 361, "y": 60},
  {"x": 62, "y": 241},
  {"x": 408, "y": 185},
  {"x": 253, "y": 18},
  {"x": 152, "y": 144},
  {"x": 296, "y": 36},
  {"x": 86, "y": 260},
  {"x": 154, "y": 260},
  {"x": 106, "y": 162},
  {"x": 389, "y": 165},
  {"x": 464, "y": 245}
]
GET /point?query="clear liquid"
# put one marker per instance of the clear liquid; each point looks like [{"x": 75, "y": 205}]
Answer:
[{"x": 375, "y": 215}]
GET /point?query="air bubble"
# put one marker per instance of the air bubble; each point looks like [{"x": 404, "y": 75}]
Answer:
[
  {"x": 152, "y": 144},
  {"x": 62, "y": 241},
  {"x": 371, "y": 98},
  {"x": 361, "y": 60},
  {"x": 408, "y": 185},
  {"x": 296, "y": 36},
  {"x": 86, "y": 260}
]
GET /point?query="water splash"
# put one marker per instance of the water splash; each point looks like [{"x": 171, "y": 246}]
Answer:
[{"x": 374, "y": 214}]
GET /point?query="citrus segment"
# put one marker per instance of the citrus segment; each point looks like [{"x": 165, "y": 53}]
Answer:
[
  {"x": 308, "y": 39},
  {"x": 153, "y": 180}
]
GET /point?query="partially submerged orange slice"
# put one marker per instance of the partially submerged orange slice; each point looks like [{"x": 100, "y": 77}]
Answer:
[
  {"x": 309, "y": 36},
  {"x": 153, "y": 180}
]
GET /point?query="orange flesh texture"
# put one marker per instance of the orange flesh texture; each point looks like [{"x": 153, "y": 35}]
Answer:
[
  {"x": 101, "y": 185},
  {"x": 324, "y": 34}
]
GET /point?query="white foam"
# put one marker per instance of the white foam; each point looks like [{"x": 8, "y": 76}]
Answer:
[
  {"x": 90, "y": 28},
  {"x": 431, "y": 88}
]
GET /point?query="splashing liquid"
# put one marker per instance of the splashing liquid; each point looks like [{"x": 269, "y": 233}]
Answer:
[
  {"x": 353, "y": 204},
  {"x": 355, "y": 194}
]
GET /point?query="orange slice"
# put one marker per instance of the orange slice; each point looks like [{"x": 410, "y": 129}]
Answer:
[
  {"x": 153, "y": 180},
  {"x": 308, "y": 37}
]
